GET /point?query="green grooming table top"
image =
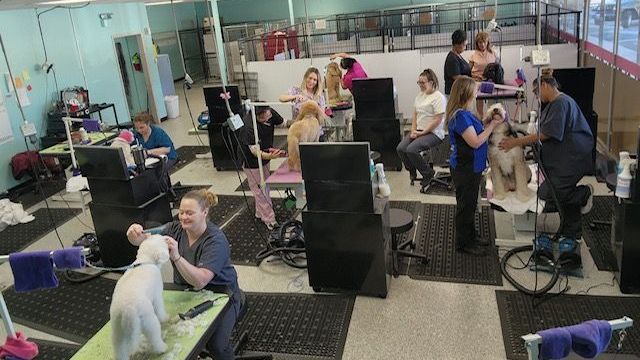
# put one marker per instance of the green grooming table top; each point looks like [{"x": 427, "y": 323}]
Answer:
[
  {"x": 96, "y": 138},
  {"x": 185, "y": 339}
]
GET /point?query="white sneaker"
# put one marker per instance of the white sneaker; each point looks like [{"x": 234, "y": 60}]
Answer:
[
  {"x": 587, "y": 207},
  {"x": 272, "y": 225}
]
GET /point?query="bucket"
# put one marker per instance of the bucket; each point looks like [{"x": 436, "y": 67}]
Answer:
[{"x": 172, "y": 104}]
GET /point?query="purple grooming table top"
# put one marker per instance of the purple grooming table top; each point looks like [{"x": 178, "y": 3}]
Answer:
[{"x": 283, "y": 175}]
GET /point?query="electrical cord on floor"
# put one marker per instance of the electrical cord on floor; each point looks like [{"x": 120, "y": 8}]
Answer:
[
  {"x": 585, "y": 292},
  {"x": 195, "y": 127}
]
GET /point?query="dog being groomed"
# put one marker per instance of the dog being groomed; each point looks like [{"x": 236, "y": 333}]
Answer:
[
  {"x": 509, "y": 171},
  {"x": 137, "y": 306},
  {"x": 306, "y": 128}
]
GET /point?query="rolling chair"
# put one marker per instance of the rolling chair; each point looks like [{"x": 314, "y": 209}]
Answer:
[{"x": 438, "y": 156}]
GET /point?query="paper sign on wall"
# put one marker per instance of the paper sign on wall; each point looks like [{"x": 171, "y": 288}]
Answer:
[
  {"x": 7, "y": 78},
  {"x": 321, "y": 24},
  {"x": 25, "y": 75},
  {"x": 18, "y": 82},
  {"x": 6, "y": 134},
  {"x": 23, "y": 98}
]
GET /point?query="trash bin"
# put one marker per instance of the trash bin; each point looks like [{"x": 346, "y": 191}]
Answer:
[{"x": 173, "y": 106}]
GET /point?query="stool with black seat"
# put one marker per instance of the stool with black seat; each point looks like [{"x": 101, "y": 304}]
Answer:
[
  {"x": 401, "y": 221},
  {"x": 439, "y": 156}
]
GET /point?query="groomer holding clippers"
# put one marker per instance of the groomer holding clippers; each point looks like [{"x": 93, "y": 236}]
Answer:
[{"x": 565, "y": 154}]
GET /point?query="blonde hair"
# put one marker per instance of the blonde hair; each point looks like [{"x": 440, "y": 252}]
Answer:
[
  {"x": 143, "y": 118},
  {"x": 462, "y": 96},
  {"x": 317, "y": 90},
  {"x": 484, "y": 37},
  {"x": 205, "y": 198}
]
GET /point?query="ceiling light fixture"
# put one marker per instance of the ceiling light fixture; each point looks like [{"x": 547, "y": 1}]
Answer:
[
  {"x": 64, "y": 2},
  {"x": 163, "y": 2}
]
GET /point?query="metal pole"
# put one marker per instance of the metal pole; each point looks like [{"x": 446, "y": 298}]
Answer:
[
  {"x": 306, "y": 24},
  {"x": 612, "y": 78},
  {"x": 75, "y": 38},
  {"x": 538, "y": 28},
  {"x": 257, "y": 142},
  {"x": 216, "y": 31},
  {"x": 13, "y": 80},
  {"x": 291, "y": 17}
]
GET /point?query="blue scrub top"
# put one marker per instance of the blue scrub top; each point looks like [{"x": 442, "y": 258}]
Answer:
[
  {"x": 464, "y": 157},
  {"x": 158, "y": 138}
]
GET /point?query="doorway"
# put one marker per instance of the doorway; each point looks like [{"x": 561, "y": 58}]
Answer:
[{"x": 134, "y": 74}]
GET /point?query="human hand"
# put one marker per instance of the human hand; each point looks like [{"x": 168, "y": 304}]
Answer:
[
  {"x": 174, "y": 254},
  {"x": 299, "y": 98},
  {"x": 136, "y": 232},
  {"x": 276, "y": 152},
  {"x": 507, "y": 144},
  {"x": 413, "y": 135}
]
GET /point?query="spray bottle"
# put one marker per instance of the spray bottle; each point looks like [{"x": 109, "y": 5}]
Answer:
[{"x": 623, "y": 187}]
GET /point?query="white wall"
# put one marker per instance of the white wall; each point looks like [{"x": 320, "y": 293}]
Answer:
[{"x": 275, "y": 77}]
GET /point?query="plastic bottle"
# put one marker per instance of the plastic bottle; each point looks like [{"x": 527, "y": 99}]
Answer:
[
  {"x": 384, "y": 189},
  {"x": 622, "y": 156},
  {"x": 84, "y": 136},
  {"x": 623, "y": 186},
  {"x": 372, "y": 168}
]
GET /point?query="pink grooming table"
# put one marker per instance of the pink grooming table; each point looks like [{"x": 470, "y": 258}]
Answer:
[{"x": 284, "y": 178}]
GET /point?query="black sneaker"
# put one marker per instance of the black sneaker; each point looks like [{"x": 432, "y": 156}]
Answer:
[
  {"x": 472, "y": 250},
  {"x": 426, "y": 178}
]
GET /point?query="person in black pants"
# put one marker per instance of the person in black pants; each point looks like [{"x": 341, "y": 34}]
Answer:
[
  {"x": 455, "y": 65},
  {"x": 468, "y": 160},
  {"x": 565, "y": 154}
]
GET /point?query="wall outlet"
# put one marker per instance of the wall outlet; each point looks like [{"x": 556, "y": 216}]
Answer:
[{"x": 28, "y": 129}]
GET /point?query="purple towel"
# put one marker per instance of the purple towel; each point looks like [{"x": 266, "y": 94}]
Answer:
[
  {"x": 590, "y": 338},
  {"x": 486, "y": 87},
  {"x": 556, "y": 343},
  {"x": 32, "y": 270},
  {"x": 71, "y": 258}
]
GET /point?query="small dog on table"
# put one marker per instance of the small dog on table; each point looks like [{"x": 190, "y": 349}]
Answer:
[
  {"x": 509, "y": 171},
  {"x": 306, "y": 128},
  {"x": 333, "y": 79},
  {"x": 137, "y": 306}
]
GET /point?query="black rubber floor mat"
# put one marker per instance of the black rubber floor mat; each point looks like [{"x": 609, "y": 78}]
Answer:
[
  {"x": 436, "y": 240},
  {"x": 187, "y": 154},
  {"x": 248, "y": 236},
  {"x": 301, "y": 325},
  {"x": 71, "y": 311},
  {"x": 53, "y": 350},
  {"x": 519, "y": 317},
  {"x": 30, "y": 195},
  {"x": 227, "y": 206},
  {"x": 17, "y": 237},
  {"x": 598, "y": 238}
]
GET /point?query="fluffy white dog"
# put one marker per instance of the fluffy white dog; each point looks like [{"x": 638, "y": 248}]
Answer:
[{"x": 137, "y": 306}]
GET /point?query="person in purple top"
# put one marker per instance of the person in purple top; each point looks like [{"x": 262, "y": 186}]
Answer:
[{"x": 353, "y": 67}]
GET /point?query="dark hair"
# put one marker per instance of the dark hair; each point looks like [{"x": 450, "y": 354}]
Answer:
[
  {"x": 261, "y": 109},
  {"x": 547, "y": 78},
  {"x": 431, "y": 76},
  {"x": 347, "y": 63},
  {"x": 458, "y": 37}
]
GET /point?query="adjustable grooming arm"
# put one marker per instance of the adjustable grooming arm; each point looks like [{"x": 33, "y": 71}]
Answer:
[{"x": 533, "y": 341}]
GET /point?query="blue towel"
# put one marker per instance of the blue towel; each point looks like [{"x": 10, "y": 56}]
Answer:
[
  {"x": 32, "y": 270},
  {"x": 590, "y": 338},
  {"x": 70, "y": 258},
  {"x": 556, "y": 343}
]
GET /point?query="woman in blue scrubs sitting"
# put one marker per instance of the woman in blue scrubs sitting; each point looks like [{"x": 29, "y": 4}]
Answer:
[{"x": 157, "y": 143}]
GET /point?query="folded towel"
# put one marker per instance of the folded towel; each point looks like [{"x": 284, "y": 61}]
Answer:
[
  {"x": 19, "y": 347},
  {"x": 32, "y": 270},
  {"x": 590, "y": 338},
  {"x": 556, "y": 343},
  {"x": 71, "y": 258}
]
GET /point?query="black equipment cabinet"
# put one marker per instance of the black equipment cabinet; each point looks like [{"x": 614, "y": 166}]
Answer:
[
  {"x": 347, "y": 233},
  {"x": 219, "y": 133},
  {"x": 383, "y": 136},
  {"x": 625, "y": 241},
  {"x": 348, "y": 251},
  {"x": 117, "y": 201}
]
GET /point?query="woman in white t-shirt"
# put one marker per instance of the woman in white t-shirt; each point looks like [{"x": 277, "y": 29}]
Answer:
[{"x": 427, "y": 127}]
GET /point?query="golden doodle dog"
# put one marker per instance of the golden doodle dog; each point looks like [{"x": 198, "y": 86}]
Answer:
[
  {"x": 306, "y": 128},
  {"x": 509, "y": 171},
  {"x": 333, "y": 80}
]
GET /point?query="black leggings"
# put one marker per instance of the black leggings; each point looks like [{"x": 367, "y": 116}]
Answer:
[{"x": 467, "y": 186}]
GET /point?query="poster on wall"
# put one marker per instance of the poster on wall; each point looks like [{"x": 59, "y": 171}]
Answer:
[{"x": 6, "y": 134}]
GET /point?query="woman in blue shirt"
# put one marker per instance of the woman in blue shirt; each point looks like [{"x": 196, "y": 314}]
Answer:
[
  {"x": 201, "y": 258},
  {"x": 157, "y": 143},
  {"x": 468, "y": 160}
]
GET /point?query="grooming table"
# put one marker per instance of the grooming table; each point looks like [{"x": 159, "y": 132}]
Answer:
[
  {"x": 339, "y": 119},
  {"x": 185, "y": 345},
  {"x": 96, "y": 138},
  {"x": 523, "y": 214},
  {"x": 283, "y": 178}
]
